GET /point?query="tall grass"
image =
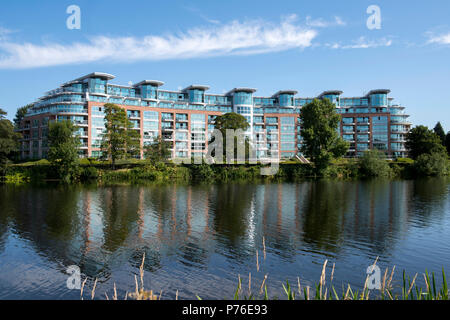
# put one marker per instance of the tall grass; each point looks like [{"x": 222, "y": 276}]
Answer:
[{"x": 408, "y": 290}]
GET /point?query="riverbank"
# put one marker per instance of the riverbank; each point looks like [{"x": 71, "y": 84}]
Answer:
[{"x": 141, "y": 171}]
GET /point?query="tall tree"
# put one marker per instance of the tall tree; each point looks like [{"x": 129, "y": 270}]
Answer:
[
  {"x": 158, "y": 150},
  {"x": 63, "y": 148},
  {"x": 447, "y": 142},
  {"x": 9, "y": 141},
  {"x": 321, "y": 141},
  {"x": 119, "y": 140},
  {"x": 440, "y": 132},
  {"x": 20, "y": 114},
  {"x": 421, "y": 140},
  {"x": 233, "y": 121}
]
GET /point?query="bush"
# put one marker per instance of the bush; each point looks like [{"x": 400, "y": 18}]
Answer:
[
  {"x": 202, "y": 172},
  {"x": 343, "y": 170},
  {"x": 17, "y": 178},
  {"x": 434, "y": 164},
  {"x": 89, "y": 173},
  {"x": 373, "y": 164},
  {"x": 405, "y": 160}
]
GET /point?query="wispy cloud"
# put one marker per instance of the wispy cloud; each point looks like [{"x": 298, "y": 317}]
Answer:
[
  {"x": 235, "y": 38},
  {"x": 439, "y": 39},
  {"x": 201, "y": 15},
  {"x": 4, "y": 33},
  {"x": 321, "y": 23},
  {"x": 362, "y": 43}
]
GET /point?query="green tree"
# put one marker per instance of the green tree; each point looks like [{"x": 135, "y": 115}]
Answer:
[
  {"x": 63, "y": 149},
  {"x": 9, "y": 141},
  {"x": 120, "y": 140},
  {"x": 20, "y": 114},
  {"x": 440, "y": 132},
  {"x": 373, "y": 164},
  {"x": 233, "y": 121},
  {"x": 447, "y": 142},
  {"x": 321, "y": 141},
  {"x": 434, "y": 164},
  {"x": 158, "y": 150},
  {"x": 421, "y": 140}
]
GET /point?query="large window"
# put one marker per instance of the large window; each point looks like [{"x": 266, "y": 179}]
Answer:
[
  {"x": 196, "y": 96},
  {"x": 153, "y": 115},
  {"x": 243, "y": 98},
  {"x": 97, "y": 86},
  {"x": 198, "y": 117},
  {"x": 148, "y": 92},
  {"x": 378, "y": 99},
  {"x": 286, "y": 100}
]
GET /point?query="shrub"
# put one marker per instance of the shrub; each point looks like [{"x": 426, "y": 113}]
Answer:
[
  {"x": 374, "y": 164},
  {"x": 202, "y": 172},
  {"x": 17, "y": 178},
  {"x": 89, "y": 173},
  {"x": 405, "y": 160},
  {"x": 434, "y": 164}
]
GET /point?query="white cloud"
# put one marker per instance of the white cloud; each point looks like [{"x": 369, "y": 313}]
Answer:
[
  {"x": 441, "y": 39},
  {"x": 235, "y": 38},
  {"x": 4, "y": 33},
  {"x": 362, "y": 43},
  {"x": 321, "y": 23},
  {"x": 201, "y": 15}
]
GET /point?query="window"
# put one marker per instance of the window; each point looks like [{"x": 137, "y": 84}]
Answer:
[
  {"x": 243, "y": 98},
  {"x": 197, "y": 117},
  {"x": 153, "y": 115},
  {"x": 244, "y": 110}
]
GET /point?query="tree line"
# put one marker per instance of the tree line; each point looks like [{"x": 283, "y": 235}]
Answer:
[{"x": 321, "y": 142}]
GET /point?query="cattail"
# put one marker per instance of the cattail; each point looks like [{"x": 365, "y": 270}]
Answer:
[{"x": 93, "y": 289}]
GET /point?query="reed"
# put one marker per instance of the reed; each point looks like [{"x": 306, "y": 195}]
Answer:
[{"x": 409, "y": 289}]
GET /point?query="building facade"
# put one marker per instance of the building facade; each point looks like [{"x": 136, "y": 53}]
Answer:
[{"x": 185, "y": 118}]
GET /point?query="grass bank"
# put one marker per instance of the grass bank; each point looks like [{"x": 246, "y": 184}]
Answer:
[{"x": 141, "y": 171}]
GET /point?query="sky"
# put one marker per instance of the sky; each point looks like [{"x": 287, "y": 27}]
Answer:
[{"x": 309, "y": 46}]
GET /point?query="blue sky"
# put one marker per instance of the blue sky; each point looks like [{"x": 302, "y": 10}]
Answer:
[{"x": 310, "y": 46}]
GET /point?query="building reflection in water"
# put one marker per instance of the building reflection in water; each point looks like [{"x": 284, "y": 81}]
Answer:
[{"x": 100, "y": 229}]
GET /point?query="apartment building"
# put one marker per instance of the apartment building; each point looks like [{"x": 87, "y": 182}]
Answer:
[{"x": 185, "y": 118}]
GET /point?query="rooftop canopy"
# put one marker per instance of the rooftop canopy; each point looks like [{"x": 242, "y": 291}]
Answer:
[
  {"x": 101, "y": 75},
  {"x": 331, "y": 92},
  {"x": 155, "y": 83},
  {"x": 196, "y": 87},
  {"x": 293, "y": 92},
  {"x": 379, "y": 91},
  {"x": 241, "y": 89}
]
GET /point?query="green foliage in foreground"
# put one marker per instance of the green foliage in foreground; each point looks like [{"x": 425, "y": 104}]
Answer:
[
  {"x": 62, "y": 153},
  {"x": 119, "y": 140},
  {"x": 321, "y": 141},
  {"x": 447, "y": 142},
  {"x": 409, "y": 290},
  {"x": 421, "y": 140},
  {"x": 433, "y": 289},
  {"x": 8, "y": 141},
  {"x": 144, "y": 171},
  {"x": 434, "y": 164},
  {"x": 158, "y": 150},
  {"x": 373, "y": 164}
]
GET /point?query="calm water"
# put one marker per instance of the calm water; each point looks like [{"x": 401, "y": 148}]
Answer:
[{"x": 197, "y": 239}]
